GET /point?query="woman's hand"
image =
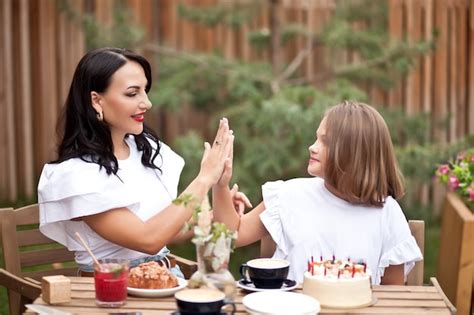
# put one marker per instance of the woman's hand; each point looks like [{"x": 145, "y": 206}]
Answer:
[
  {"x": 239, "y": 199},
  {"x": 226, "y": 176},
  {"x": 216, "y": 156}
]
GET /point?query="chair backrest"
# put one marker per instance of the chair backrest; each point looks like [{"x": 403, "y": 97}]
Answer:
[
  {"x": 28, "y": 253},
  {"x": 417, "y": 228}
]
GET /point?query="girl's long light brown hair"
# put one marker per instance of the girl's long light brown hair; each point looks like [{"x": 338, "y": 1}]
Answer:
[{"x": 361, "y": 164}]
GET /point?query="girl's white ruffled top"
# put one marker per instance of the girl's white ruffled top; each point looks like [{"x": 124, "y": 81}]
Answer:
[
  {"x": 305, "y": 219},
  {"x": 75, "y": 188}
]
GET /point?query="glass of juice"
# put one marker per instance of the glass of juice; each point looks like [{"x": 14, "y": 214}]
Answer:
[{"x": 110, "y": 280}]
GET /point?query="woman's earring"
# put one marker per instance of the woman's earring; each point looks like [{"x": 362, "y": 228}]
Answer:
[{"x": 100, "y": 116}]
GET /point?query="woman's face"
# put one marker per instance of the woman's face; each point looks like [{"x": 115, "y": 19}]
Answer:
[
  {"x": 125, "y": 101},
  {"x": 318, "y": 152}
]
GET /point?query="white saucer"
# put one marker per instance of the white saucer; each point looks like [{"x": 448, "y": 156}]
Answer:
[
  {"x": 157, "y": 292},
  {"x": 251, "y": 287},
  {"x": 280, "y": 303}
]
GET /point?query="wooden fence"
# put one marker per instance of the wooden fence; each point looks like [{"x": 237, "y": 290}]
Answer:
[{"x": 40, "y": 47}]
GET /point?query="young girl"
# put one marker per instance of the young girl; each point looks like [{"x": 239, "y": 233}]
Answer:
[
  {"x": 348, "y": 209},
  {"x": 114, "y": 180}
]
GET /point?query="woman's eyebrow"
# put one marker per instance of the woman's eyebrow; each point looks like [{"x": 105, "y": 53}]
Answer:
[{"x": 133, "y": 87}]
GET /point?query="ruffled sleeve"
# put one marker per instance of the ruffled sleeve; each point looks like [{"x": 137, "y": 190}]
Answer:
[
  {"x": 273, "y": 216},
  {"x": 75, "y": 188},
  {"x": 399, "y": 246}
]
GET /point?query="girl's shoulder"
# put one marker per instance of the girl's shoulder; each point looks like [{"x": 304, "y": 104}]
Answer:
[
  {"x": 301, "y": 183},
  {"x": 293, "y": 187}
]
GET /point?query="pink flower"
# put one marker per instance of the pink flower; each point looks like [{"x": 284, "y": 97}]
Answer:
[
  {"x": 470, "y": 192},
  {"x": 443, "y": 169},
  {"x": 453, "y": 182}
]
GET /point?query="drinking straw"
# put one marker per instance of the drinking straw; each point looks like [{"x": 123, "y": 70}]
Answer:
[{"x": 88, "y": 249}]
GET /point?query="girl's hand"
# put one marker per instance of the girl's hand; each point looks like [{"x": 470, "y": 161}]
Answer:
[
  {"x": 240, "y": 200},
  {"x": 215, "y": 156}
]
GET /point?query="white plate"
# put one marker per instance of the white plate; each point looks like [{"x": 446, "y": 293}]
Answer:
[
  {"x": 251, "y": 287},
  {"x": 157, "y": 292},
  {"x": 278, "y": 302}
]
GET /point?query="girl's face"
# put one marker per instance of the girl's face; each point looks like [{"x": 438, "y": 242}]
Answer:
[
  {"x": 125, "y": 101},
  {"x": 317, "y": 152}
]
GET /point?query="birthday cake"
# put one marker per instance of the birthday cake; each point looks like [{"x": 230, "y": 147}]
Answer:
[{"x": 338, "y": 283}]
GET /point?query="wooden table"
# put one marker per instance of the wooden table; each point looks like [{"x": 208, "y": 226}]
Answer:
[{"x": 390, "y": 300}]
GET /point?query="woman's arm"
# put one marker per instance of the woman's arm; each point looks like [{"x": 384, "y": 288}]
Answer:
[
  {"x": 124, "y": 228},
  {"x": 394, "y": 274}
]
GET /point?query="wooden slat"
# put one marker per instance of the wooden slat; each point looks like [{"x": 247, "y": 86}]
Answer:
[
  {"x": 32, "y": 237},
  {"x": 427, "y": 59},
  {"x": 46, "y": 103},
  {"x": 104, "y": 11},
  {"x": 27, "y": 215},
  {"x": 8, "y": 110},
  {"x": 3, "y": 102},
  {"x": 78, "y": 46},
  {"x": 470, "y": 115},
  {"x": 7, "y": 230},
  {"x": 441, "y": 66},
  {"x": 452, "y": 77},
  {"x": 63, "y": 42},
  {"x": 37, "y": 275},
  {"x": 413, "y": 79},
  {"x": 395, "y": 30},
  {"x": 462, "y": 68},
  {"x": 43, "y": 256},
  {"x": 417, "y": 229},
  {"x": 187, "y": 31},
  {"x": 23, "y": 120}
]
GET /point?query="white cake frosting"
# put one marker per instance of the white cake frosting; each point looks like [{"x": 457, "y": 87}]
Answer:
[{"x": 339, "y": 284}]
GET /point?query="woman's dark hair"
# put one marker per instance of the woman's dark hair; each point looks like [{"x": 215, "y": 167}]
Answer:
[{"x": 84, "y": 136}]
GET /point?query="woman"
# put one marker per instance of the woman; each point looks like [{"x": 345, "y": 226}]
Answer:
[{"x": 114, "y": 180}]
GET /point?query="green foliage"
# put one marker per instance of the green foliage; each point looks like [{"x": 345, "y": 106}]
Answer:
[
  {"x": 209, "y": 83},
  {"x": 361, "y": 27},
  {"x": 121, "y": 33},
  {"x": 230, "y": 13}
]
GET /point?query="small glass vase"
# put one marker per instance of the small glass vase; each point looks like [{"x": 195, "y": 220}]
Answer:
[{"x": 213, "y": 263}]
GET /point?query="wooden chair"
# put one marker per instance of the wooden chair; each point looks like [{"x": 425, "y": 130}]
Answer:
[
  {"x": 455, "y": 268},
  {"x": 27, "y": 290},
  {"x": 417, "y": 228},
  {"x": 30, "y": 255}
]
